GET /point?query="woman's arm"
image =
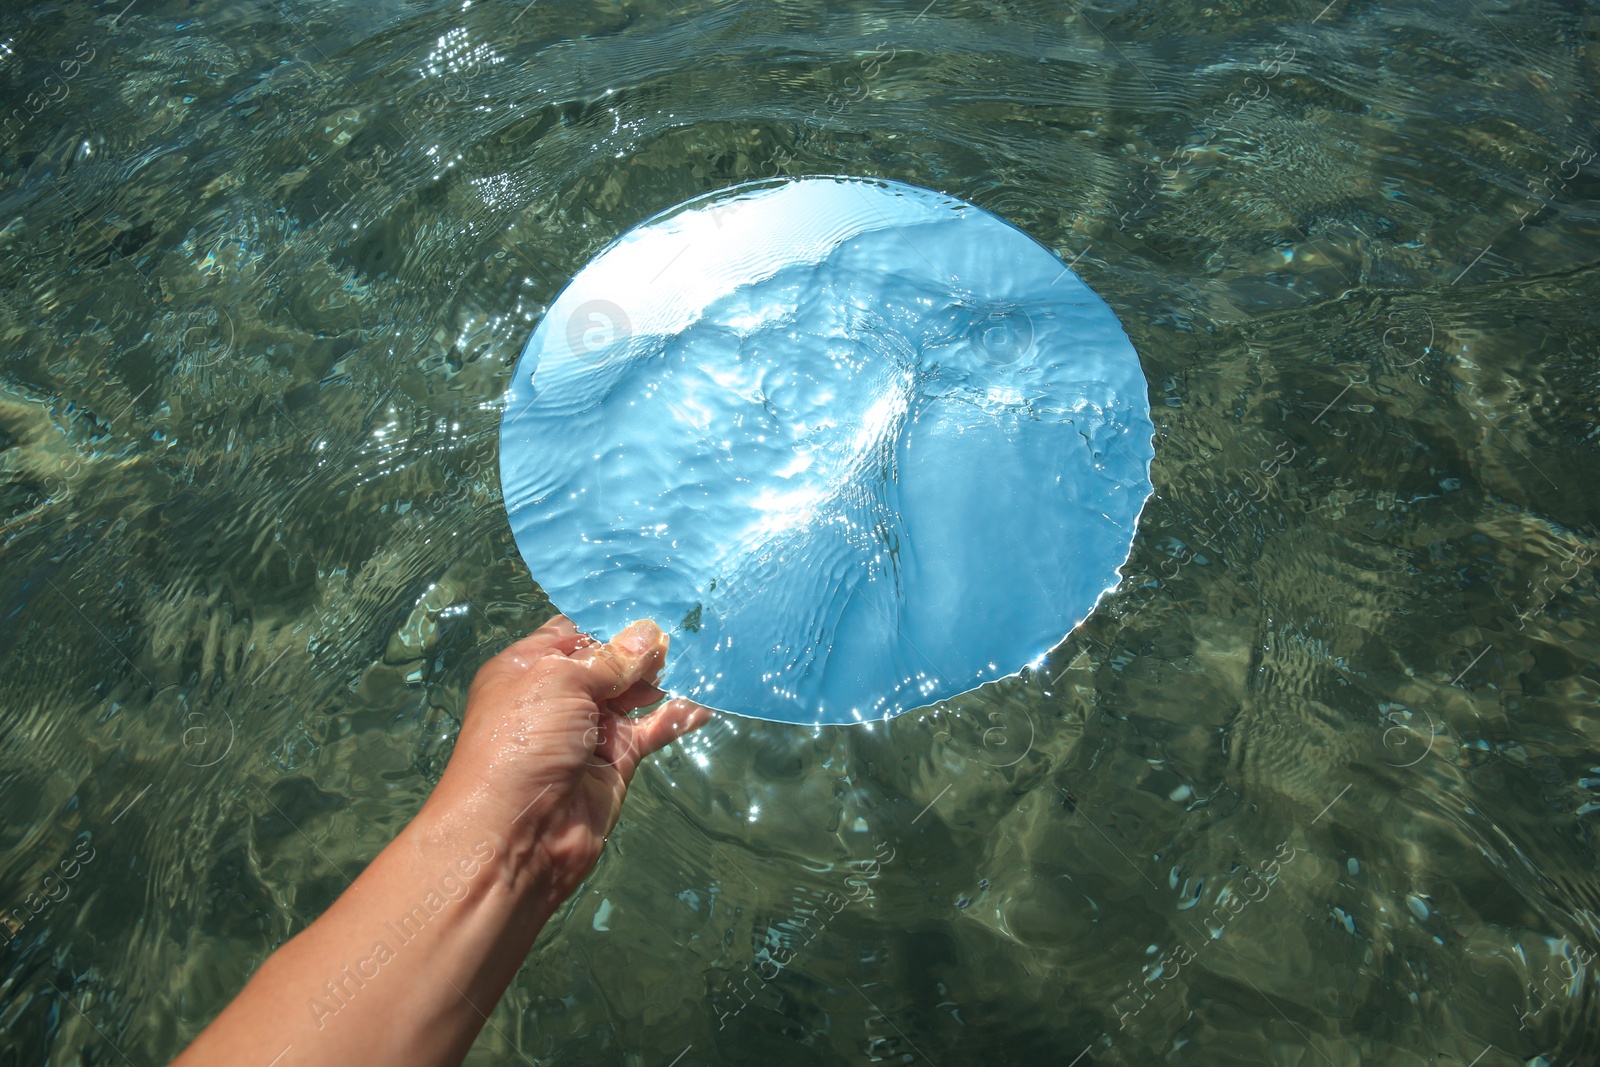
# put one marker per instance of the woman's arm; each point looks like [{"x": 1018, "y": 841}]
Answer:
[{"x": 407, "y": 964}]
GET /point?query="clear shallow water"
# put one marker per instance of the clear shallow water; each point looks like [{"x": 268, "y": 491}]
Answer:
[
  {"x": 828, "y": 416},
  {"x": 265, "y": 271}
]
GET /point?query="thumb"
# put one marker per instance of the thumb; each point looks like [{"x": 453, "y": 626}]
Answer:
[{"x": 634, "y": 655}]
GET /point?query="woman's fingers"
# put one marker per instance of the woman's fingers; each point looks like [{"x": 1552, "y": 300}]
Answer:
[
  {"x": 642, "y": 695},
  {"x": 558, "y": 635},
  {"x": 624, "y": 743},
  {"x": 618, "y": 676},
  {"x": 666, "y": 724}
]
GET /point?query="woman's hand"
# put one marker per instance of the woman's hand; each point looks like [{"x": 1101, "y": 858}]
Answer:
[
  {"x": 547, "y": 742},
  {"x": 407, "y": 964}
]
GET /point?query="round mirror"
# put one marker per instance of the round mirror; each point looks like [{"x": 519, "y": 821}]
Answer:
[{"x": 859, "y": 446}]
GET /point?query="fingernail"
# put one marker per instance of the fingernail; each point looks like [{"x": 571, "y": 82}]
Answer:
[{"x": 640, "y": 637}]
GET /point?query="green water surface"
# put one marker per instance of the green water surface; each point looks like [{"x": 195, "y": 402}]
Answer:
[{"x": 1319, "y": 785}]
